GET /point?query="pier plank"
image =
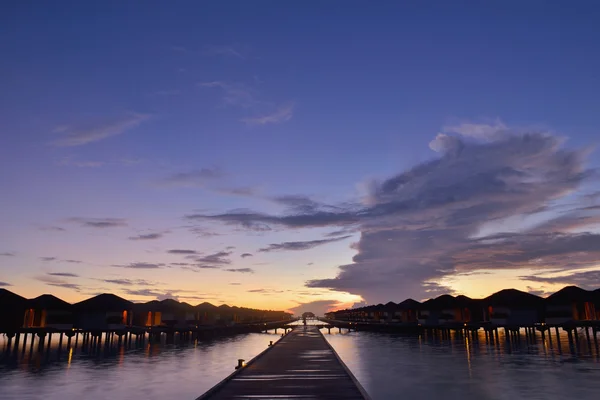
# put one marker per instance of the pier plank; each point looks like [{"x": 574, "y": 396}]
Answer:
[{"x": 301, "y": 365}]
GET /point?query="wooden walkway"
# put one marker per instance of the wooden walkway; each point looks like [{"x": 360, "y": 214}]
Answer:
[{"x": 302, "y": 365}]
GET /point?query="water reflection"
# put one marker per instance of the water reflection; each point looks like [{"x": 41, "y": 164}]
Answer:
[
  {"x": 462, "y": 366},
  {"x": 389, "y": 366},
  {"x": 157, "y": 371}
]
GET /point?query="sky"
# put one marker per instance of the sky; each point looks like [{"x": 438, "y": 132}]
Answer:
[{"x": 298, "y": 155}]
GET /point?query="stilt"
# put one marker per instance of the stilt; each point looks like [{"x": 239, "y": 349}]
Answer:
[
  {"x": 24, "y": 343},
  {"x": 60, "y": 340},
  {"x": 587, "y": 336},
  {"x": 17, "y": 339},
  {"x": 49, "y": 343}
]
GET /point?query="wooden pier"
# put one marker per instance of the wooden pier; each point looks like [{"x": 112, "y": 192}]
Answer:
[{"x": 302, "y": 365}]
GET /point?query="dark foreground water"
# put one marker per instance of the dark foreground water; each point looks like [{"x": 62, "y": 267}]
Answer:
[{"x": 388, "y": 366}]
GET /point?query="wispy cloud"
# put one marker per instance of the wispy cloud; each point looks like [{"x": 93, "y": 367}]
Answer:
[
  {"x": 73, "y": 261},
  {"x": 52, "y": 229},
  {"x": 58, "y": 281},
  {"x": 64, "y": 274},
  {"x": 4, "y": 284},
  {"x": 246, "y": 255},
  {"x": 301, "y": 245},
  {"x": 218, "y": 258},
  {"x": 70, "y": 161},
  {"x": 47, "y": 259},
  {"x": 7, "y": 254},
  {"x": 234, "y": 94},
  {"x": 93, "y": 132},
  {"x": 139, "y": 265},
  {"x": 265, "y": 291},
  {"x": 128, "y": 282},
  {"x": 99, "y": 222},
  {"x": 182, "y": 251},
  {"x": 147, "y": 236},
  {"x": 240, "y": 270},
  {"x": 196, "y": 178},
  {"x": 229, "y": 51},
  {"x": 282, "y": 114}
]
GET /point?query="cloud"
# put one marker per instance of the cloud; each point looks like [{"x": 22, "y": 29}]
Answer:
[
  {"x": 99, "y": 222},
  {"x": 140, "y": 265},
  {"x": 7, "y": 254},
  {"x": 143, "y": 292},
  {"x": 69, "y": 161},
  {"x": 586, "y": 279},
  {"x": 265, "y": 291},
  {"x": 52, "y": 229},
  {"x": 246, "y": 255},
  {"x": 63, "y": 274},
  {"x": 239, "y": 191},
  {"x": 128, "y": 282},
  {"x": 58, "y": 281},
  {"x": 196, "y": 178},
  {"x": 4, "y": 284},
  {"x": 48, "y": 258},
  {"x": 182, "y": 251},
  {"x": 73, "y": 261},
  {"x": 229, "y": 51},
  {"x": 282, "y": 114},
  {"x": 219, "y": 258},
  {"x": 235, "y": 283},
  {"x": 425, "y": 224},
  {"x": 80, "y": 135},
  {"x": 300, "y": 245},
  {"x": 240, "y": 270},
  {"x": 234, "y": 94},
  {"x": 147, "y": 236}
]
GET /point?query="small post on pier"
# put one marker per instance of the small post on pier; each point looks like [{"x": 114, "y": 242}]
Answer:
[
  {"x": 240, "y": 363},
  {"x": 270, "y": 343}
]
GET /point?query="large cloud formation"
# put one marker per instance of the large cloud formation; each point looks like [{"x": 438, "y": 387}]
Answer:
[{"x": 426, "y": 223}]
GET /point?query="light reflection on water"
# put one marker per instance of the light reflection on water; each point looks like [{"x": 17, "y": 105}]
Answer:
[
  {"x": 389, "y": 366},
  {"x": 151, "y": 372},
  {"x": 395, "y": 366}
]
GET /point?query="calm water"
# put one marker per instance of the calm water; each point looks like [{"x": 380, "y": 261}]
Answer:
[{"x": 388, "y": 366}]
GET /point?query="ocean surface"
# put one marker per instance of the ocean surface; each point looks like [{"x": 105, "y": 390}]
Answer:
[{"x": 388, "y": 366}]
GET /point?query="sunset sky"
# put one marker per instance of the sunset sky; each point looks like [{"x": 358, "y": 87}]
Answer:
[{"x": 298, "y": 155}]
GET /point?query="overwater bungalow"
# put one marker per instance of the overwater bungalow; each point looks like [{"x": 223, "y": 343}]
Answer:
[
  {"x": 103, "y": 312},
  {"x": 48, "y": 311},
  {"x": 206, "y": 313},
  {"x": 513, "y": 307},
  {"x": 447, "y": 309},
  {"x": 12, "y": 307},
  {"x": 406, "y": 311},
  {"x": 570, "y": 304},
  {"x": 166, "y": 313}
]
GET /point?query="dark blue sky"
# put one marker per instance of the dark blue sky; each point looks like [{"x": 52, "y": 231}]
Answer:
[{"x": 150, "y": 111}]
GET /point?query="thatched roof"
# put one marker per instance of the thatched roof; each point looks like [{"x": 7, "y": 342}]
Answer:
[
  {"x": 408, "y": 304},
  {"x": 104, "y": 302},
  {"x": 206, "y": 307},
  {"x": 48, "y": 302},
  {"x": 10, "y": 299},
  {"x": 513, "y": 298},
  {"x": 570, "y": 294},
  {"x": 167, "y": 305},
  {"x": 447, "y": 301}
]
